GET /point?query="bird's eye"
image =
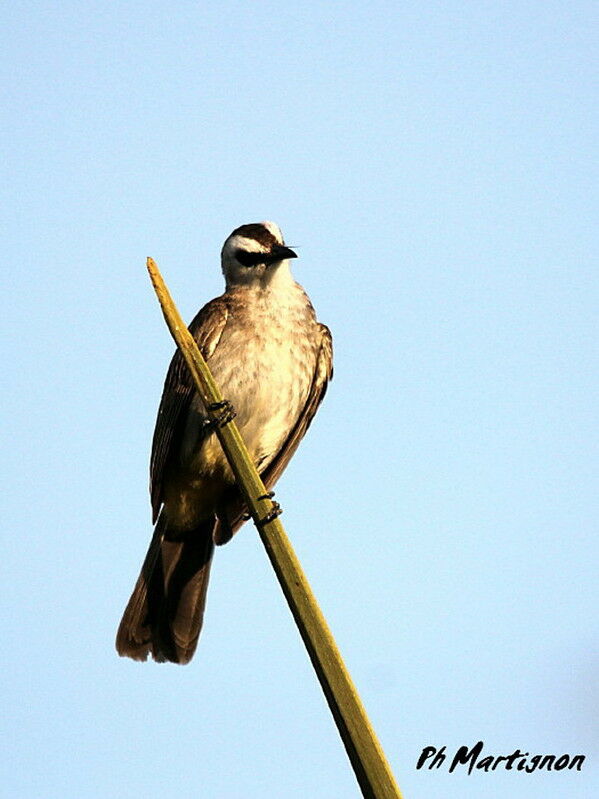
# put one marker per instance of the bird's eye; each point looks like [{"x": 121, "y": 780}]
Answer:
[{"x": 250, "y": 258}]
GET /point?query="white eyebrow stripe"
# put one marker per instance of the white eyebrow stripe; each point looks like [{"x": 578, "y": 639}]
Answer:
[{"x": 273, "y": 228}]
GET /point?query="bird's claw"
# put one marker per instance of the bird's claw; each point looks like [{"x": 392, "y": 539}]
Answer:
[
  {"x": 226, "y": 415},
  {"x": 275, "y": 511}
]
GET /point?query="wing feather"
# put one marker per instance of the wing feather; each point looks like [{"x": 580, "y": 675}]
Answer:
[{"x": 206, "y": 328}]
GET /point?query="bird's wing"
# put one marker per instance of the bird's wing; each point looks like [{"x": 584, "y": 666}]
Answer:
[
  {"x": 323, "y": 372},
  {"x": 206, "y": 329}
]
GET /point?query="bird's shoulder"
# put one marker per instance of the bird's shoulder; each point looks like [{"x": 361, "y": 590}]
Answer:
[
  {"x": 325, "y": 359},
  {"x": 208, "y": 324}
]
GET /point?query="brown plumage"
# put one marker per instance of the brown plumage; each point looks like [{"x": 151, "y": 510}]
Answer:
[{"x": 272, "y": 360}]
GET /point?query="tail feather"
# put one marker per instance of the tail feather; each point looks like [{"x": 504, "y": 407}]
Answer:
[{"x": 164, "y": 614}]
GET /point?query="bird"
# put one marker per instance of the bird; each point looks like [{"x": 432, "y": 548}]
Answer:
[{"x": 272, "y": 360}]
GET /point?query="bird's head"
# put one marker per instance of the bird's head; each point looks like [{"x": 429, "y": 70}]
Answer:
[{"x": 254, "y": 253}]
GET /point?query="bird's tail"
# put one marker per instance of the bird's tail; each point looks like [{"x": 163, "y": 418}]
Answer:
[{"x": 164, "y": 615}]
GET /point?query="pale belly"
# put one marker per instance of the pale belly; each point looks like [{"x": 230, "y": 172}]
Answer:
[{"x": 267, "y": 381}]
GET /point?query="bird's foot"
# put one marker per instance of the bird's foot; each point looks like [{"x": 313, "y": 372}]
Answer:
[
  {"x": 226, "y": 413},
  {"x": 275, "y": 511}
]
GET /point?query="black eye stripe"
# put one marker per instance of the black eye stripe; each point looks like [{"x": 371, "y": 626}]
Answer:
[{"x": 250, "y": 258}]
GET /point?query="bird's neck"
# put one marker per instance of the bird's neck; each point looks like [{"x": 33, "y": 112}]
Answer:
[{"x": 276, "y": 280}]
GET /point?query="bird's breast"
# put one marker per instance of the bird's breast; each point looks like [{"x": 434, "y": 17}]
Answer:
[{"x": 263, "y": 364}]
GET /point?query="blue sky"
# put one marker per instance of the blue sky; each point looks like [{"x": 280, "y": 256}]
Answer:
[{"x": 433, "y": 163}]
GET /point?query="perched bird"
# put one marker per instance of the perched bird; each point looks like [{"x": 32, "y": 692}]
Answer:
[{"x": 272, "y": 361}]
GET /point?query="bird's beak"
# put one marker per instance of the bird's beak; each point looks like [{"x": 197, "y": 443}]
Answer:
[{"x": 279, "y": 253}]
